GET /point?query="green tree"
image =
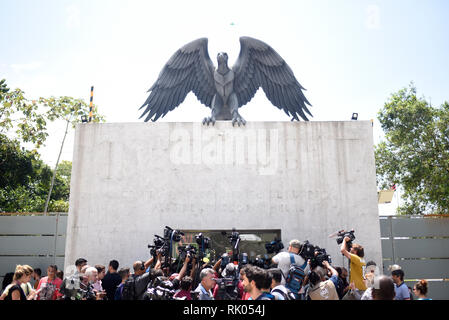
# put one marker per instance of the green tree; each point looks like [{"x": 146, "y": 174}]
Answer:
[
  {"x": 415, "y": 153},
  {"x": 24, "y": 121},
  {"x": 21, "y": 116},
  {"x": 25, "y": 180},
  {"x": 15, "y": 163}
]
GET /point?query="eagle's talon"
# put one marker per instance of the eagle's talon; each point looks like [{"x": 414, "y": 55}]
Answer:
[
  {"x": 209, "y": 120},
  {"x": 239, "y": 120}
]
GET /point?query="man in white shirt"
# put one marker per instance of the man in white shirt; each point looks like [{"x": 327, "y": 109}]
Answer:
[
  {"x": 279, "y": 291},
  {"x": 283, "y": 259}
]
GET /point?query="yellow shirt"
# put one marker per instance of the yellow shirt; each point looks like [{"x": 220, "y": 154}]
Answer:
[{"x": 356, "y": 274}]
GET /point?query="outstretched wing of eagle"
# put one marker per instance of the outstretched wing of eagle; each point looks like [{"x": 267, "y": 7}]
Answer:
[{"x": 224, "y": 90}]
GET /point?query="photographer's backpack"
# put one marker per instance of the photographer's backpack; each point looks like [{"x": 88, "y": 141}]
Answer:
[
  {"x": 129, "y": 289},
  {"x": 295, "y": 276}
]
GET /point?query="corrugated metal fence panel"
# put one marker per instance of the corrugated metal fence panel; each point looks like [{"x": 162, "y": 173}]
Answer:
[
  {"x": 438, "y": 290},
  {"x": 385, "y": 227},
  {"x": 8, "y": 264},
  {"x": 420, "y": 245},
  {"x": 421, "y": 248},
  {"x": 414, "y": 226},
  {"x": 62, "y": 225},
  {"x": 425, "y": 269},
  {"x": 387, "y": 250},
  {"x": 11, "y": 225},
  {"x": 31, "y": 240},
  {"x": 31, "y": 245}
]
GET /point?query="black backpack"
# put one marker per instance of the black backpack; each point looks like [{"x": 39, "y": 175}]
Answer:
[{"x": 129, "y": 289}]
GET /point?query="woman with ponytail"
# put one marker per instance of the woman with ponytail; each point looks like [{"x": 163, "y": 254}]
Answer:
[
  {"x": 22, "y": 276},
  {"x": 420, "y": 290}
]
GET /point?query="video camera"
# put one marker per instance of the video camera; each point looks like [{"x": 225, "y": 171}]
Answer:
[
  {"x": 158, "y": 246},
  {"x": 174, "y": 235},
  {"x": 274, "y": 246},
  {"x": 316, "y": 254},
  {"x": 342, "y": 234},
  {"x": 262, "y": 261},
  {"x": 186, "y": 250},
  {"x": 234, "y": 239},
  {"x": 320, "y": 257},
  {"x": 228, "y": 284},
  {"x": 163, "y": 245},
  {"x": 161, "y": 290},
  {"x": 243, "y": 260},
  {"x": 202, "y": 241},
  {"x": 227, "y": 288}
]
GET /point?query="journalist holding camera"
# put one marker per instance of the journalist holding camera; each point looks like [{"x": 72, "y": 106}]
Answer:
[
  {"x": 355, "y": 256},
  {"x": 320, "y": 287},
  {"x": 285, "y": 259}
]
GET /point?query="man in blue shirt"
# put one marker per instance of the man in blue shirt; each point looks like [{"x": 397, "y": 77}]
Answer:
[
  {"x": 204, "y": 289},
  {"x": 401, "y": 289}
]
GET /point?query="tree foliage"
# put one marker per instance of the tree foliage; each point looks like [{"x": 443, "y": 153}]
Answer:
[
  {"x": 22, "y": 116},
  {"x": 415, "y": 153},
  {"x": 26, "y": 120},
  {"x": 25, "y": 180}
]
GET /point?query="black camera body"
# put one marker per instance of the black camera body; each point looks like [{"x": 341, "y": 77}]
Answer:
[
  {"x": 227, "y": 288},
  {"x": 186, "y": 250},
  {"x": 320, "y": 257},
  {"x": 225, "y": 259},
  {"x": 307, "y": 250},
  {"x": 315, "y": 254},
  {"x": 158, "y": 246},
  {"x": 234, "y": 239},
  {"x": 173, "y": 235},
  {"x": 274, "y": 246},
  {"x": 202, "y": 241},
  {"x": 342, "y": 234},
  {"x": 262, "y": 261},
  {"x": 161, "y": 289},
  {"x": 163, "y": 245}
]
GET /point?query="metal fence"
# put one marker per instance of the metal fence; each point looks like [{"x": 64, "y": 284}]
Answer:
[
  {"x": 420, "y": 245},
  {"x": 38, "y": 241}
]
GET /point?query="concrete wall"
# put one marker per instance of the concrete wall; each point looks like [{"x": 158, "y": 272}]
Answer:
[{"x": 308, "y": 179}]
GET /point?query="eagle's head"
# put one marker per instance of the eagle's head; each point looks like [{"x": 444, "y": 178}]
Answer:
[{"x": 222, "y": 57}]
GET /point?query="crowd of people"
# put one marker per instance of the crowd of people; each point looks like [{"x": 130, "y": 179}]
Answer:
[{"x": 152, "y": 280}]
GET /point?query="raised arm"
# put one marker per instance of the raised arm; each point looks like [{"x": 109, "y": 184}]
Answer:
[
  {"x": 343, "y": 249},
  {"x": 148, "y": 263},
  {"x": 217, "y": 265},
  {"x": 329, "y": 267},
  {"x": 159, "y": 262},
  {"x": 183, "y": 270}
]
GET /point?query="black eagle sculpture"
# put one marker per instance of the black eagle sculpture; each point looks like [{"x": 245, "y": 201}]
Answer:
[{"x": 225, "y": 90}]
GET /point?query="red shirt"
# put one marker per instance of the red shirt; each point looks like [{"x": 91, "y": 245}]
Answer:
[
  {"x": 246, "y": 296},
  {"x": 50, "y": 289}
]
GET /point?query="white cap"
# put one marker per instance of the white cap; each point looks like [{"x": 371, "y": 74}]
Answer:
[{"x": 394, "y": 267}]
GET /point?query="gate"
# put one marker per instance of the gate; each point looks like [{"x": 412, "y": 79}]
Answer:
[{"x": 420, "y": 245}]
